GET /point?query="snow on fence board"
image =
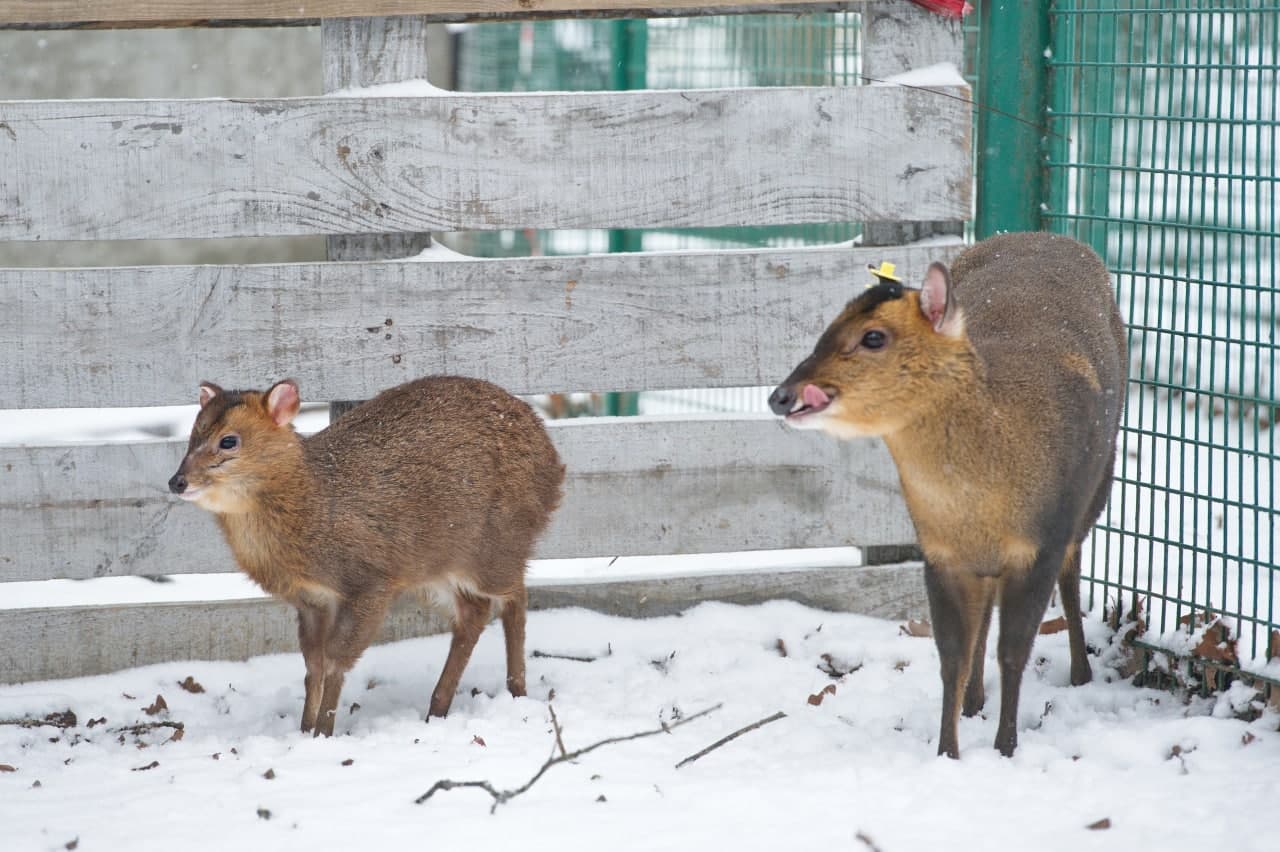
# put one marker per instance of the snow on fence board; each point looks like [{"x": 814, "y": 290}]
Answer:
[
  {"x": 634, "y": 487},
  {"x": 40, "y": 644},
  {"x": 197, "y": 12},
  {"x": 149, "y": 335},
  {"x": 143, "y": 169}
]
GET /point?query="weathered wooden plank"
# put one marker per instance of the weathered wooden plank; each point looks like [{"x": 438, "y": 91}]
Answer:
[
  {"x": 367, "y": 52},
  {"x": 247, "y": 12},
  {"x": 42, "y": 644},
  {"x": 221, "y": 168},
  {"x": 149, "y": 335},
  {"x": 899, "y": 36},
  {"x": 635, "y": 486}
]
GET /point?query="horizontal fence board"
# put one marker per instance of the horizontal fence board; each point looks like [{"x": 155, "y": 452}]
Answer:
[
  {"x": 635, "y": 486},
  {"x": 149, "y": 335},
  {"x": 195, "y": 12},
  {"x": 42, "y": 644},
  {"x": 150, "y": 169}
]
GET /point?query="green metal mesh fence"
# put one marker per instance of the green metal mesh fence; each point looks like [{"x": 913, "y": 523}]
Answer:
[{"x": 1162, "y": 155}]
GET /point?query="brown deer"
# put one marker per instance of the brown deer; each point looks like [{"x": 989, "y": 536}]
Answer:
[
  {"x": 440, "y": 484},
  {"x": 998, "y": 388}
]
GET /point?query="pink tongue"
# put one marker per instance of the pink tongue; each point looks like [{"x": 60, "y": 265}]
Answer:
[{"x": 814, "y": 397}]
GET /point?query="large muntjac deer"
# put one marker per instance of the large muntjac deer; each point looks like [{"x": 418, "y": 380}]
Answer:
[
  {"x": 998, "y": 388},
  {"x": 441, "y": 484}
]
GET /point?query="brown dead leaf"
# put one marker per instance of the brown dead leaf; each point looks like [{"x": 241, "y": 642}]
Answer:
[
  {"x": 73, "y": 844},
  {"x": 1248, "y": 738},
  {"x": 152, "y": 765},
  {"x": 355, "y": 706},
  {"x": 4, "y": 767},
  {"x": 1217, "y": 644},
  {"x": 270, "y": 775},
  {"x": 178, "y": 734},
  {"x": 1100, "y": 825},
  {"x": 901, "y": 665},
  {"x": 92, "y": 723},
  {"x": 781, "y": 648},
  {"x": 817, "y": 697},
  {"x": 156, "y": 707},
  {"x": 348, "y": 761},
  {"x": 191, "y": 686},
  {"x": 263, "y": 813},
  {"x": 1195, "y": 619},
  {"x": 917, "y": 629},
  {"x": 478, "y": 740},
  {"x": 1053, "y": 625}
]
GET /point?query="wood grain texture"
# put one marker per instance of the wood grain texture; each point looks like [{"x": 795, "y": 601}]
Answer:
[
  {"x": 220, "y": 168},
  {"x": 42, "y": 644},
  {"x": 634, "y": 486},
  {"x": 149, "y": 335},
  {"x": 368, "y": 52},
  {"x": 196, "y": 12},
  {"x": 899, "y": 36}
]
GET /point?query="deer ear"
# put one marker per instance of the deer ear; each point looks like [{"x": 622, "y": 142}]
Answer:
[
  {"x": 283, "y": 402},
  {"x": 208, "y": 390},
  {"x": 937, "y": 303}
]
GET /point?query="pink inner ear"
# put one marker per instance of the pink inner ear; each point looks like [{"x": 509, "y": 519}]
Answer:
[
  {"x": 933, "y": 297},
  {"x": 283, "y": 403},
  {"x": 207, "y": 393}
]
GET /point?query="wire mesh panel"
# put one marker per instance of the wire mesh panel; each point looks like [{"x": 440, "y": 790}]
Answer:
[{"x": 1162, "y": 155}]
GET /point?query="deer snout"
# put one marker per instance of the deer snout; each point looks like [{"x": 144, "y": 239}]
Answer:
[
  {"x": 782, "y": 400},
  {"x": 178, "y": 482}
]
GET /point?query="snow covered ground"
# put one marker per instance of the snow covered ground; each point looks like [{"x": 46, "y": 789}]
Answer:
[{"x": 857, "y": 771}]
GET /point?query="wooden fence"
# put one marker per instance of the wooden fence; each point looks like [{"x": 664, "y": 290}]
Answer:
[{"x": 360, "y": 166}]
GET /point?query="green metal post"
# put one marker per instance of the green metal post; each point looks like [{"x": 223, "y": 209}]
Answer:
[{"x": 1013, "y": 38}]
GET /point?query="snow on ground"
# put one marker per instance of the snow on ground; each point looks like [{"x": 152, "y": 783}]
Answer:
[{"x": 1166, "y": 774}]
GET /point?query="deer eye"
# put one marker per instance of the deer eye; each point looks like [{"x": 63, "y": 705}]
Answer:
[
  {"x": 229, "y": 442},
  {"x": 874, "y": 339}
]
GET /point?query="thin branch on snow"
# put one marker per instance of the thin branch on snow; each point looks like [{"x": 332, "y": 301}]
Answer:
[
  {"x": 65, "y": 719},
  {"x": 723, "y": 740},
  {"x": 555, "y": 725},
  {"x": 867, "y": 842},
  {"x": 501, "y": 797}
]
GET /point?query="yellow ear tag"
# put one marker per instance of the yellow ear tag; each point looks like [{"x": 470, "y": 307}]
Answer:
[{"x": 886, "y": 272}]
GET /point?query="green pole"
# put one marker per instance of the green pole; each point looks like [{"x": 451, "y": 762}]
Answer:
[{"x": 1013, "y": 37}]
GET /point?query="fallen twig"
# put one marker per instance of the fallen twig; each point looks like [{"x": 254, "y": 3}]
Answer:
[
  {"x": 543, "y": 655},
  {"x": 866, "y": 841},
  {"x": 179, "y": 730},
  {"x": 64, "y": 719},
  {"x": 723, "y": 740},
  {"x": 501, "y": 797}
]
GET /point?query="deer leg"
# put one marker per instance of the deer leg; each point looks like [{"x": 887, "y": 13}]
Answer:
[
  {"x": 975, "y": 694},
  {"x": 956, "y": 606},
  {"x": 1023, "y": 598},
  {"x": 513, "y": 623},
  {"x": 355, "y": 624},
  {"x": 1069, "y": 591},
  {"x": 314, "y": 624},
  {"x": 470, "y": 615}
]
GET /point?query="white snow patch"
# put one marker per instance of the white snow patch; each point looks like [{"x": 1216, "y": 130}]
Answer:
[
  {"x": 863, "y": 762},
  {"x": 942, "y": 74}
]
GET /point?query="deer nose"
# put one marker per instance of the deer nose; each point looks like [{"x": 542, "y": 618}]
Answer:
[
  {"x": 178, "y": 483},
  {"x": 781, "y": 400}
]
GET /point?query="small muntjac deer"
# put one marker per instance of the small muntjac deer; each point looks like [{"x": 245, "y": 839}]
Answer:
[
  {"x": 997, "y": 387},
  {"x": 440, "y": 484}
]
